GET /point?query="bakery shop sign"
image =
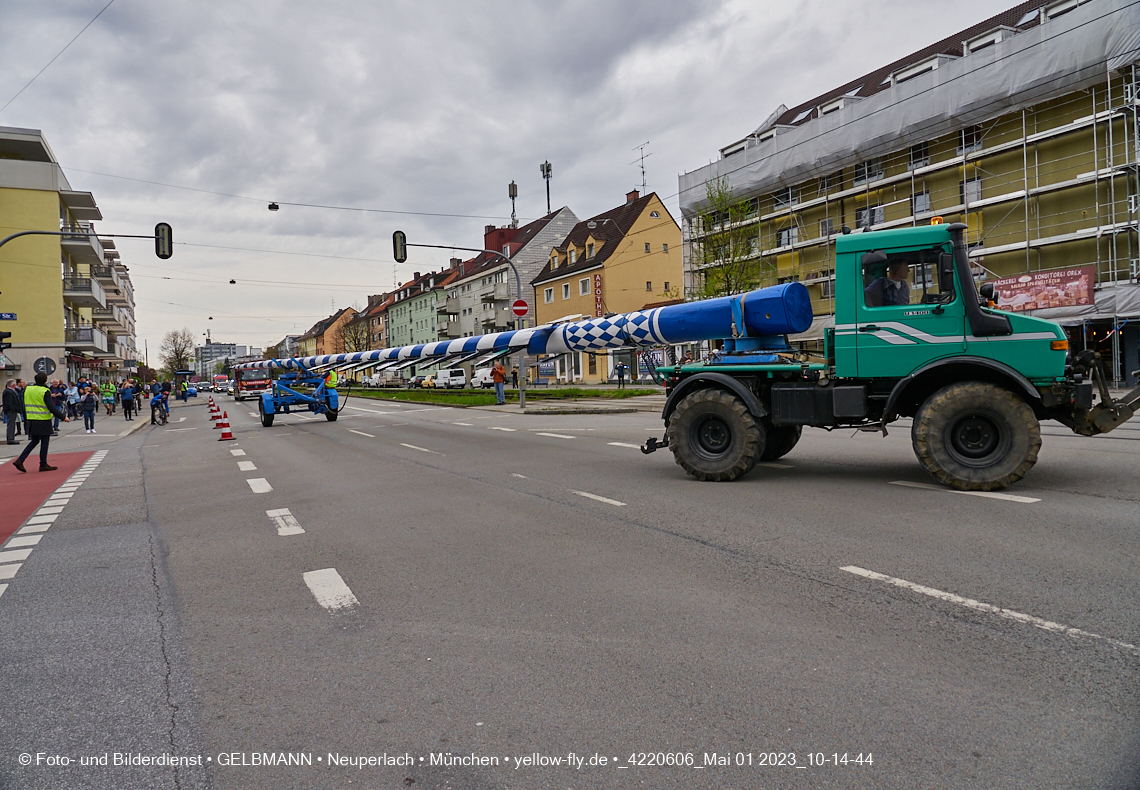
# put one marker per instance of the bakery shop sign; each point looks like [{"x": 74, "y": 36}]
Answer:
[{"x": 1038, "y": 290}]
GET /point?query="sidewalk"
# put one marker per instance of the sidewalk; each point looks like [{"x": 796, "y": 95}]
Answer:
[{"x": 72, "y": 437}]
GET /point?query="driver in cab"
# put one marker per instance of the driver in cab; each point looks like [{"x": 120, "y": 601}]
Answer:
[{"x": 891, "y": 289}]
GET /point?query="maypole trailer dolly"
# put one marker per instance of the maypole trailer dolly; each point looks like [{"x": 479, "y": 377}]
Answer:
[{"x": 283, "y": 398}]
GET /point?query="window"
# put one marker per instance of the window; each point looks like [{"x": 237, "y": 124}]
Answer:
[
  {"x": 906, "y": 278},
  {"x": 785, "y": 197},
  {"x": 593, "y": 364},
  {"x": 565, "y": 290},
  {"x": 654, "y": 214},
  {"x": 969, "y": 139},
  {"x": 584, "y": 286},
  {"x": 970, "y": 190},
  {"x": 826, "y": 227},
  {"x": 919, "y": 155},
  {"x": 827, "y": 289},
  {"x": 787, "y": 236},
  {"x": 647, "y": 246},
  {"x": 666, "y": 287},
  {"x": 553, "y": 262},
  {"x": 664, "y": 248},
  {"x": 573, "y": 255},
  {"x": 589, "y": 251},
  {"x": 548, "y": 295},
  {"x": 833, "y": 181},
  {"x": 868, "y": 216},
  {"x": 649, "y": 285},
  {"x": 507, "y": 250},
  {"x": 919, "y": 203},
  {"x": 868, "y": 171}
]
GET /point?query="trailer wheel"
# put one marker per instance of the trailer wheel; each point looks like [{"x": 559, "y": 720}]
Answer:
[
  {"x": 330, "y": 415},
  {"x": 266, "y": 419},
  {"x": 974, "y": 436},
  {"x": 779, "y": 441},
  {"x": 714, "y": 437}
]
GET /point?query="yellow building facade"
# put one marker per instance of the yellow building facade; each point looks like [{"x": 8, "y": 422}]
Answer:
[{"x": 617, "y": 262}]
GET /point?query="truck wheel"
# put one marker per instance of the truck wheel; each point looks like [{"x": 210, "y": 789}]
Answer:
[
  {"x": 266, "y": 419},
  {"x": 713, "y": 436},
  {"x": 974, "y": 436},
  {"x": 779, "y": 441},
  {"x": 330, "y": 415}
]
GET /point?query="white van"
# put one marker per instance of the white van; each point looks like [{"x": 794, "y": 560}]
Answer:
[
  {"x": 482, "y": 378},
  {"x": 446, "y": 379}
]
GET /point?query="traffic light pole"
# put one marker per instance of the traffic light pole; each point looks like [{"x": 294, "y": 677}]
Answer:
[
  {"x": 518, "y": 289},
  {"x": 164, "y": 253}
]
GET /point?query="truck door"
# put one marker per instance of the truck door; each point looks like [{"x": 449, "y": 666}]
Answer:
[{"x": 908, "y": 313}]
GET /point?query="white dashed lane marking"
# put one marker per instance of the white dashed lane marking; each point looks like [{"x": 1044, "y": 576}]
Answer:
[
  {"x": 330, "y": 590},
  {"x": 237, "y": 452},
  {"x": 556, "y": 435},
  {"x": 1025, "y": 500},
  {"x": 624, "y": 444},
  {"x": 246, "y": 466},
  {"x": 259, "y": 485},
  {"x": 286, "y": 522},
  {"x": 597, "y": 498},
  {"x": 464, "y": 424},
  {"x": 989, "y": 608},
  {"x": 497, "y": 428},
  {"x": 362, "y": 433},
  {"x": 421, "y": 449}
]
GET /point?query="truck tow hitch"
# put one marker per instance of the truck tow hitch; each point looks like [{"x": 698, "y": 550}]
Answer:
[
  {"x": 1108, "y": 413},
  {"x": 653, "y": 445}
]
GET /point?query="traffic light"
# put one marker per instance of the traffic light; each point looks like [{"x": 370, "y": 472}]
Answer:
[
  {"x": 4, "y": 336},
  {"x": 163, "y": 240},
  {"x": 399, "y": 246}
]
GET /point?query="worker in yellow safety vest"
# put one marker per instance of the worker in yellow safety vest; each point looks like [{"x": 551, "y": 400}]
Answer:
[
  {"x": 39, "y": 408},
  {"x": 330, "y": 380}
]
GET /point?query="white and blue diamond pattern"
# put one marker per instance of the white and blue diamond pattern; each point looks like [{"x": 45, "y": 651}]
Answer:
[{"x": 620, "y": 330}]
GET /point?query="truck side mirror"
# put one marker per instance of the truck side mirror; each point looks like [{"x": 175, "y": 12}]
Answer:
[
  {"x": 945, "y": 272},
  {"x": 988, "y": 292}
]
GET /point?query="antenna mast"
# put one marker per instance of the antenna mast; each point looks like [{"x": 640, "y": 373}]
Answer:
[
  {"x": 513, "y": 192},
  {"x": 641, "y": 159},
  {"x": 544, "y": 168}
]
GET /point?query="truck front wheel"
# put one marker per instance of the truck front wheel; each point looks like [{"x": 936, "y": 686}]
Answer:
[
  {"x": 974, "y": 436},
  {"x": 714, "y": 437}
]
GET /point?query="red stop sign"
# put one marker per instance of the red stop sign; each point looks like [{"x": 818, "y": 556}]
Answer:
[{"x": 520, "y": 308}]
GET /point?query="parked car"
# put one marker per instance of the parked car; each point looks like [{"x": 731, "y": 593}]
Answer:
[
  {"x": 191, "y": 392},
  {"x": 416, "y": 381},
  {"x": 447, "y": 379},
  {"x": 482, "y": 378},
  {"x": 428, "y": 383}
]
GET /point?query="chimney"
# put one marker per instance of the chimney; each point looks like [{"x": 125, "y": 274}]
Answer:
[
  {"x": 455, "y": 262},
  {"x": 487, "y": 229},
  {"x": 631, "y": 196},
  {"x": 416, "y": 276}
]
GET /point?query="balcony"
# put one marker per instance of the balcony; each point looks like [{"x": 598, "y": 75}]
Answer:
[
  {"x": 497, "y": 318},
  {"x": 450, "y": 306},
  {"x": 90, "y": 339},
  {"x": 84, "y": 292},
  {"x": 453, "y": 329},
  {"x": 500, "y": 291},
  {"x": 106, "y": 275},
  {"x": 81, "y": 243},
  {"x": 112, "y": 317}
]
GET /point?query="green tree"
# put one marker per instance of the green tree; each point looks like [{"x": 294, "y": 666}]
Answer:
[{"x": 725, "y": 245}]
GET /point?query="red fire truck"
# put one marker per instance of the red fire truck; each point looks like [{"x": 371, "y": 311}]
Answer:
[{"x": 251, "y": 383}]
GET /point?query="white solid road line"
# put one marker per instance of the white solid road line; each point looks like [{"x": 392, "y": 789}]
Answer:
[
  {"x": 1025, "y": 500},
  {"x": 286, "y": 522},
  {"x": 237, "y": 452},
  {"x": 464, "y": 424},
  {"x": 259, "y": 485},
  {"x": 362, "y": 433},
  {"x": 330, "y": 590},
  {"x": 556, "y": 435},
  {"x": 246, "y": 466},
  {"x": 497, "y": 428},
  {"x": 421, "y": 449},
  {"x": 521, "y": 477},
  {"x": 595, "y": 497},
  {"x": 989, "y": 608},
  {"x": 624, "y": 444}
]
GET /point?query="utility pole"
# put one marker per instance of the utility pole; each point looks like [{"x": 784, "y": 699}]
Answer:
[{"x": 544, "y": 168}]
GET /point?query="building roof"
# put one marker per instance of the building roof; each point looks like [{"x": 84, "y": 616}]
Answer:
[
  {"x": 484, "y": 262},
  {"x": 609, "y": 226},
  {"x": 1020, "y": 17}
]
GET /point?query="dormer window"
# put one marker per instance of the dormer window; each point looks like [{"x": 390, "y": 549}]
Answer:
[
  {"x": 573, "y": 255},
  {"x": 978, "y": 43},
  {"x": 589, "y": 251},
  {"x": 1062, "y": 7},
  {"x": 922, "y": 67}
]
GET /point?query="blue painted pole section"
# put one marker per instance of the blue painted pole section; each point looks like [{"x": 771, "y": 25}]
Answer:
[{"x": 778, "y": 310}]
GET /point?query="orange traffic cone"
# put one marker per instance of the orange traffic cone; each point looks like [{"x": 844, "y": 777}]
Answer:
[
  {"x": 216, "y": 414},
  {"x": 225, "y": 424},
  {"x": 223, "y": 420}
]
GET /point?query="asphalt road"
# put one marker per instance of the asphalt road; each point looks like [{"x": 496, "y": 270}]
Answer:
[{"x": 455, "y": 583}]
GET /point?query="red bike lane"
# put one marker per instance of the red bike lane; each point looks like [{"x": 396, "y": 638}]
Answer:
[{"x": 22, "y": 493}]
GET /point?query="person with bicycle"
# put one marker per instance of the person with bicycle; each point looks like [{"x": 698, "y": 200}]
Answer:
[{"x": 159, "y": 408}]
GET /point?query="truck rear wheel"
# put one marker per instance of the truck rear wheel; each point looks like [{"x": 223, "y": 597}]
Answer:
[
  {"x": 714, "y": 437},
  {"x": 779, "y": 441},
  {"x": 974, "y": 436}
]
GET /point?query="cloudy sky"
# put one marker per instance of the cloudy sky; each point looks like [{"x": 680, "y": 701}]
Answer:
[{"x": 427, "y": 108}]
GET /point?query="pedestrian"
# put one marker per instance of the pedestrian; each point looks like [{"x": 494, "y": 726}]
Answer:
[
  {"x": 87, "y": 406},
  {"x": 515, "y": 378},
  {"x": 13, "y": 405},
  {"x": 127, "y": 397},
  {"x": 39, "y": 409},
  {"x": 109, "y": 397},
  {"x": 183, "y": 391},
  {"x": 73, "y": 396},
  {"x": 620, "y": 369},
  {"x": 58, "y": 398},
  {"x": 499, "y": 376},
  {"x": 20, "y": 387}
]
